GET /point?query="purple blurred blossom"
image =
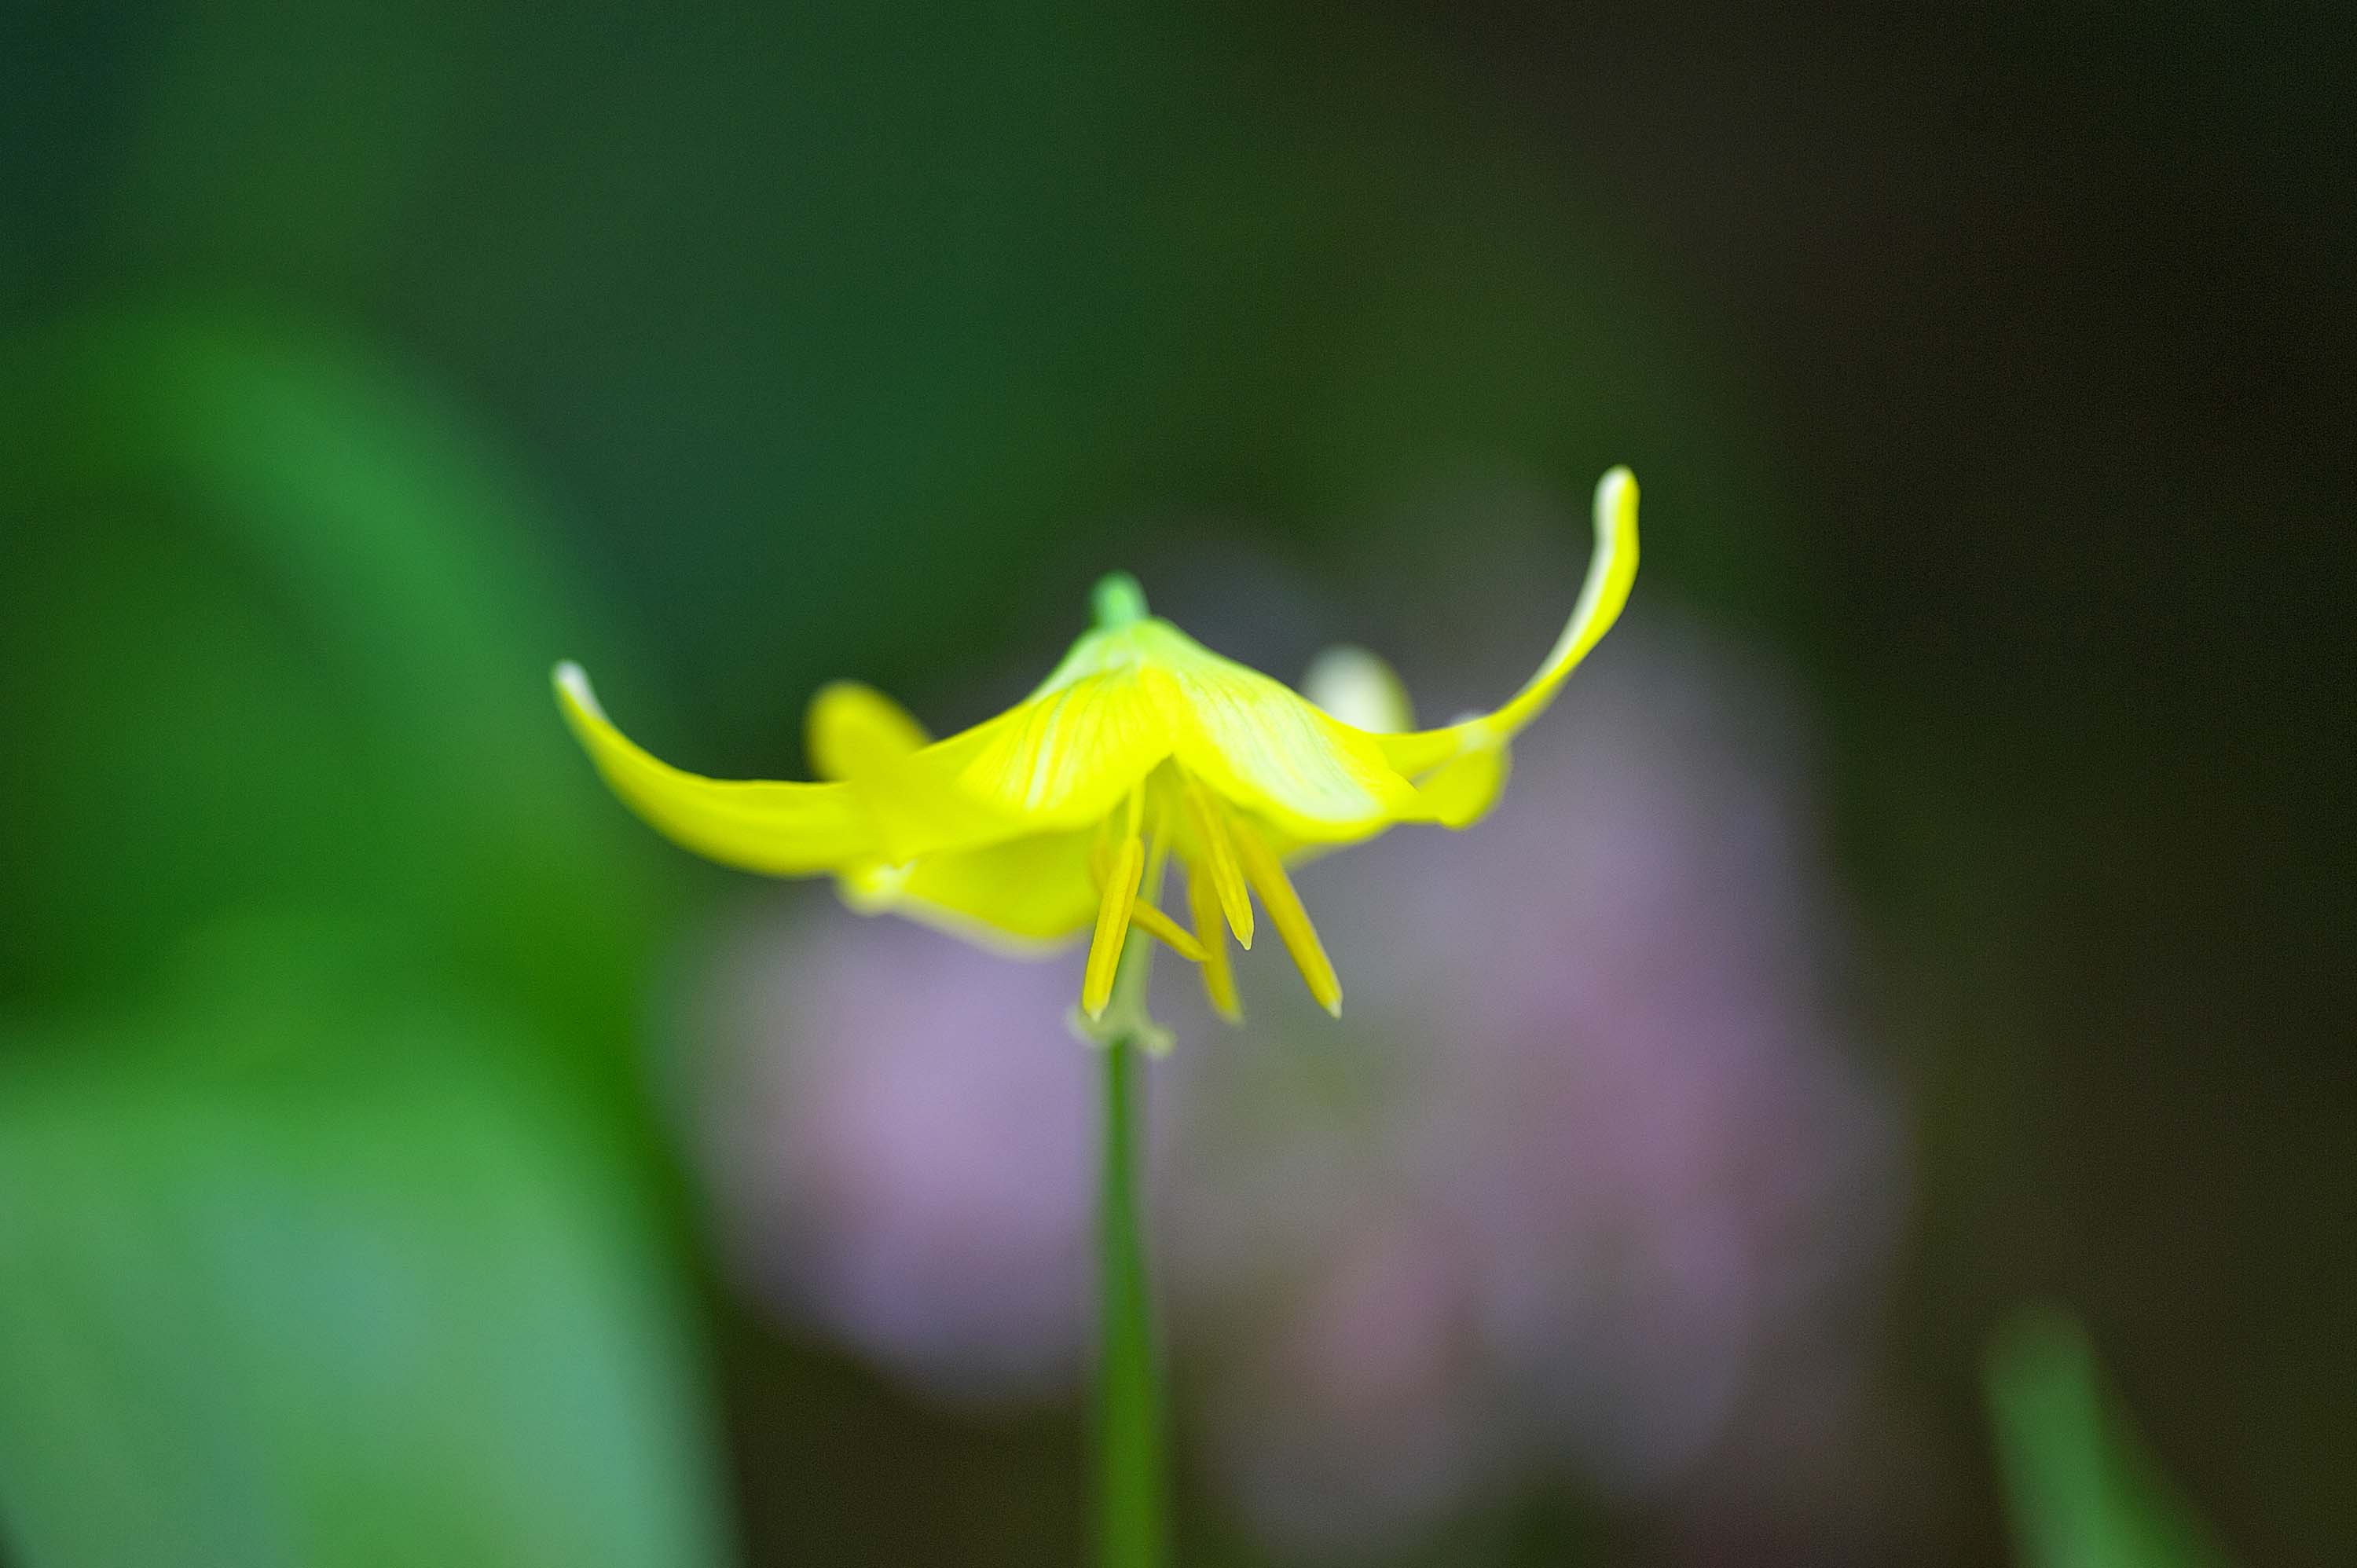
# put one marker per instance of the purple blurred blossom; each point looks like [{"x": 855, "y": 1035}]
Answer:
[
  {"x": 1589, "y": 1167},
  {"x": 900, "y": 1143}
]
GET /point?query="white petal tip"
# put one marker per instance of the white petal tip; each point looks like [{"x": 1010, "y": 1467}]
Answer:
[
  {"x": 1616, "y": 491},
  {"x": 574, "y": 681}
]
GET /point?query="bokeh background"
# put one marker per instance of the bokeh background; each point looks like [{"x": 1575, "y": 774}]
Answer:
[{"x": 1879, "y": 1090}]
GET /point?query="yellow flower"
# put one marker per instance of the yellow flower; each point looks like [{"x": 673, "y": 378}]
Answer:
[{"x": 1057, "y": 816}]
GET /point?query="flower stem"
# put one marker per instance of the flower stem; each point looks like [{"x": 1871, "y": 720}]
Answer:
[{"x": 1129, "y": 1385}]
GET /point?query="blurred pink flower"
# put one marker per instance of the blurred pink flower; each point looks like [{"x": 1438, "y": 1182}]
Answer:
[
  {"x": 900, "y": 1140},
  {"x": 1588, "y": 1166}
]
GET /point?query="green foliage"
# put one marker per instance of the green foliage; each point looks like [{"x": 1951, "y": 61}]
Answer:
[
  {"x": 323, "y": 1285},
  {"x": 332, "y": 1235},
  {"x": 271, "y": 628},
  {"x": 2082, "y": 1491}
]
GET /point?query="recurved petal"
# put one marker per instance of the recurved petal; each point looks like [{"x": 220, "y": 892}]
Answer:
[
  {"x": 1462, "y": 790},
  {"x": 784, "y": 830},
  {"x": 1058, "y": 761},
  {"x": 1611, "y": 567},
  {"x": 855, "y": 730}
]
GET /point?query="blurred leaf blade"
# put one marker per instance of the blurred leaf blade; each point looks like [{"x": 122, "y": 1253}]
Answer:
[
  {"x": 2082, "y": 1489},
  {"x": 362, "y": 1308},
  {"x": 277, "y": 620}
]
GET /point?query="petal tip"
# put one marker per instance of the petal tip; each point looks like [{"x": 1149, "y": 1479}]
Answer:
[
  {"x": 572, "y": 683},
  {"x": 1616, "y": 504}
]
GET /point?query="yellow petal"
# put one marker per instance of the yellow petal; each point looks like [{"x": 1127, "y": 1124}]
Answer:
[
  {"x": 1462, "y": 790},
  {"x": 1257, "y": 743},
  {"x": 1063, "y": 758},
  {"x": 917, "y": 800},
  {"x": 1611, "y": 567},
  {"x": 1058, "y": 761},
  {"x": 784, "y": 830},
  {"x": 1120, "y": 704},
  {"x": 1026, "y": 895},
  {"x": 855, "y": 730}
]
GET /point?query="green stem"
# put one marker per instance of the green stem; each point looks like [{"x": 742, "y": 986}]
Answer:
[{"x": 1129, "y": 1387}]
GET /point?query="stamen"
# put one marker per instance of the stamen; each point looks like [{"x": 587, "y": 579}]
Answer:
[
  {"x": 1219, "y": 975},
  {"x": 1220, "y": 857},
  {"x": 1158, "y": 847},
  {"x": 1113, "y": 912},
  {"x": 1142, "y": 914},
  {"x": 1268, "y": 879},
  {"x": 1169, "y": 932}
]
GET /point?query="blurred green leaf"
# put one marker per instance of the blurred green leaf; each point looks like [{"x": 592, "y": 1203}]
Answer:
[
  {"x": 272, "y": 625},
  {"x": 340, "y": 1253},
  {"x": 361, "y": 1307},
  {"x": 2082, "y": 1491}
]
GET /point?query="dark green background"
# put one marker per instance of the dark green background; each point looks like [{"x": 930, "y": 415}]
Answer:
[{"x": 355, "y": 359}]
